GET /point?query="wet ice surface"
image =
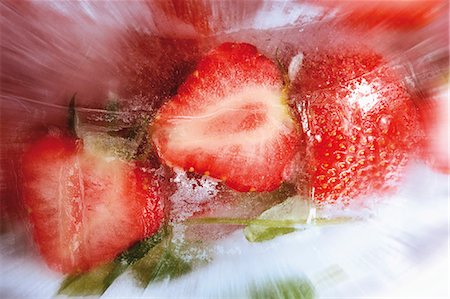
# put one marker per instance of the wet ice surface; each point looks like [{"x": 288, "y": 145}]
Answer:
[{"x": 85, "y": 49}]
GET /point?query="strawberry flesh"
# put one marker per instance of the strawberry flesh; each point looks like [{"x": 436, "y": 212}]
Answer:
[
  {"x": 86, "y": 209},
  {"x": 229, "y": 120}
]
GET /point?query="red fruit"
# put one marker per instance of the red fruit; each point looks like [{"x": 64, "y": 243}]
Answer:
[
  {"x": 360, "y": 122},
  {"x": 229, "y": 120},
  {"x": 403, "y": 15},
  {"x": 201, "y": 17},
  {"x": 84, "y": 208},
  {"x": 434, "y": 113},
  {"x": 151, "y": 68}
]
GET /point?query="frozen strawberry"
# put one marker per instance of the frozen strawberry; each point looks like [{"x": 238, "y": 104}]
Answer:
[
  {"x": 201, "y": 17},
  {"x": 150, "y": 68},
  {"x": 85, "y": 208},
  {"x": 435, "y": 120},
  {"x": 229, "y": 120},
  {"x": 402, "y": 15},
  {"x": 360, "y": 122}
]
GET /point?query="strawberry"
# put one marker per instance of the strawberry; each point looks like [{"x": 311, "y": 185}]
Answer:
[
  {"x": 399, "y": 15},
  {"x": 85, "y": 208},
  {"x": 435, "y": 120},
  {"x": 151, "y": 68},
  {"x": 360, "y": 123},
  {"x": 201, "y": 17},
  {"x": 229, "y": 120}
]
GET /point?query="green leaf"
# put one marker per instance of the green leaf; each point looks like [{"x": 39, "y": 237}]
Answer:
[
  {"x": 109, "y": 146},
  {"x": 268, "y": 233},
  {"x": 126, "y": 142},
  {"x": 161, "y": 262},
  {"x": 97, "y": 280},
  {"x": 278, "y": 220},
  {"x": 171, "y": 266},
  {"x": 112, "y": 107},
  {"x": 142, "y": 248},
  {"x": 152, "y": 259},
  {"x": 294, "y": 288},
  {"x": 106, "y": 133},
  {"x": 94, "y": 282},
  {"x": 112, "y": 102}
]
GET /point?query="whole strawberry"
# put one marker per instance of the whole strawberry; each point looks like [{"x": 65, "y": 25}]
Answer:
[{"x": 360, "y": 123}]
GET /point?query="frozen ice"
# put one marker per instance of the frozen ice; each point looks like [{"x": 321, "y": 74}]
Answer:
[{"x": 137, "y": 53}]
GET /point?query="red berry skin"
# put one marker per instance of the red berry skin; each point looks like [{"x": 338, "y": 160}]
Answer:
[
  {"x": 403, "y": 15},
  {"x": 229, "y": 120},
  {"x": 150, "y": 68},
  {"x": 194, "y": 17},
  {"x": 84, "y": 209},
  {"x": 435, "y": 121},
  {"x": 360, "y": 123}
]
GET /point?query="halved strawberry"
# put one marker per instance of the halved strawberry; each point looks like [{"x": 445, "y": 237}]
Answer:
[
  {"x": 360, "y": 122},
  {"x": 86, "y": 208},
  {"x": 229, "y": 120}
]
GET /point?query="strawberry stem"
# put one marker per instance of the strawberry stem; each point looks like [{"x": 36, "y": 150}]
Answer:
[{"x": 299, "y": 224}]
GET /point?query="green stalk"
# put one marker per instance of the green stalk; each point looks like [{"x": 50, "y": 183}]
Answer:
[{"x": 300, "y": 224}]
